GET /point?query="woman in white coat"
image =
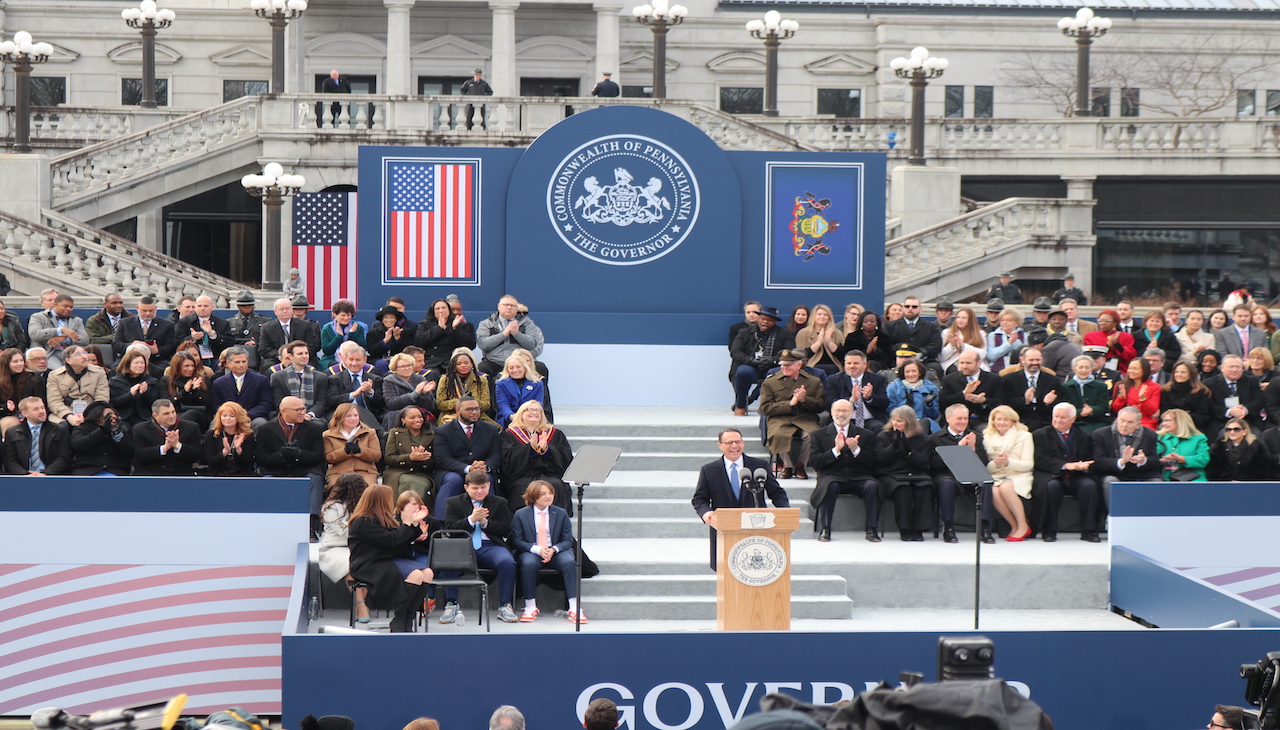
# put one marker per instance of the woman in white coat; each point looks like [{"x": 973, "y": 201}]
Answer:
[{"x": 1012, "y": 458}]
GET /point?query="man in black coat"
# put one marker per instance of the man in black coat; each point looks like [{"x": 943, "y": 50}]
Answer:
[
  {"x": 281, "y": 331},
  {"x": 755, "y": 351},
  {"x": 335, "y": 84},
  {"x": 463, "y": 445},
  {"x": 488, "y": 518},
  {"x": 157, "y": 334},
  {"x": 867, "y": 391},
  {"x": 750, "y": 311},
  {"x": 1126, "y": 451},
  {"x": 53, "y": 443},
  {"x": 293, "y": 380},
  {"x": 971, "y": 386},
  {"x": 1030, "y": 391},
  {"x": 1234, "y": 394},
  {"x": 958, "y": 432},
  {"x": 607, "y": 87},
  {"x": 211, "y": 333},
  {"x": 167, "y": 445},
  {"x": 844, "y": 457},
  {"x": 1068, "y": 290},
  {"x": 924, "y": 336},
  {"x": 723, "y": 482},
  {"x": 292, "y": 446},
  {"x": 1064, "y": 457},
  {"x": 354, "y": 380}
]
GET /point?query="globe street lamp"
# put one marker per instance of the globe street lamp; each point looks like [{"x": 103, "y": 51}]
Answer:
[
  {"x": 1084, "y": 27},
  {"x": 919, "y": 67},
  {"x": 279, "y": 12},
  {"x": 23, "y": 54},
  {"x": 148, "y": 19},
  {"x": 659, "y": 17},
  {"x": 273, "y": 186},
  {"x": 772, "y": 30}
]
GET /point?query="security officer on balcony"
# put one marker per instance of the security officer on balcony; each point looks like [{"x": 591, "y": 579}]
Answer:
[
  {"x": 607, "y": 88},
  {"x": 477, "y": 86},
  {"x": 1006, "y": 291}
]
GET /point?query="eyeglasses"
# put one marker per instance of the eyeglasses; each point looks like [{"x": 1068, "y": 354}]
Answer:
[
  {"x": 1224, "y": 727},
  {"x": 911, "y": 306},
  {"x": 729, "y": 443}
]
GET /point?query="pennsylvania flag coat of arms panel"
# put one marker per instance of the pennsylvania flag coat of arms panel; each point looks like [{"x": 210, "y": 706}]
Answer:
[
  {"x": 814, "y": 220},
  {"x": 431, "y": 220}
]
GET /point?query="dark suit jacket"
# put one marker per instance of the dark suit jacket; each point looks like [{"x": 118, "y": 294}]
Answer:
[
  {"x": 147, "y": 459},
  {"x": 221, "y": 328},
  {"x": 943, "y": 437},
  {"x": 713, "y": 491},
  {"x": 843, "y": 468},
  {"x": 1250, "y": 393},
  {"x": 743, "y": 349},
  {"x": 339, "y": 387},
  {"x": 454, "y": 452},
  {"x": 526, "y": 531},
  {"x": 925, "y": 337},
  {"x": 271, "y": 339},
  {"x": 254, "y": 395},
  {"x": 840, "y": 386},
  {"x": 161, "y": 330},
  {"x": 1166, "y": 341},
  {"x": 1038, "y": 414},
  {"x": 55, "y": 449},
  {"x": 1051, "y": 452},
  {"x": 989, "y": 384},
  {"x": 1106, "y": 451},
  {"x": 458, "y": 508},
  {"x": 280, "y": 390},
  {"x": 308, "y": 437}
]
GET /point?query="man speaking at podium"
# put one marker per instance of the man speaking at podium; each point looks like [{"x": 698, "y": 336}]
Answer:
[{"x": 723, "y": 483}]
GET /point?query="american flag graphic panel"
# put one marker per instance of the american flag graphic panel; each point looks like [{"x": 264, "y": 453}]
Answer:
[{"x": 431, "y": 210}]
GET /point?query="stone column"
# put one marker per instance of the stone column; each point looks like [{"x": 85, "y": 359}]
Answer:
[
  {"x": 295, "y": 58},
  {"x": 607, "y": 55},
  {"x": 503, "y": 75},
  {"x": 399, "y": 68},
  {"x": 1079, "y": 187},
  {"x": 151, "y": 229}
]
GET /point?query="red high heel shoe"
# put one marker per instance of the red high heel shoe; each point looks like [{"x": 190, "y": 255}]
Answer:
[{"x": 1019, "y": 538}]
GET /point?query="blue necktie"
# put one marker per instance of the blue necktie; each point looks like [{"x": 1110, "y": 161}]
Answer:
[
  {"x": 476, "y": 536},
  {"x": 734, "y": 480},
  {"x": 36, "y": 464}
]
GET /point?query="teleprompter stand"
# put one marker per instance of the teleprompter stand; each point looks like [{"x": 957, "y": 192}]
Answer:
[
  {"x": 591, "y": 465},
  {"x": 969, "y": 471}
]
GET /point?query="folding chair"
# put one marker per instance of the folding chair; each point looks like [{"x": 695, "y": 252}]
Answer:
[{"x": 451, "y": 551}]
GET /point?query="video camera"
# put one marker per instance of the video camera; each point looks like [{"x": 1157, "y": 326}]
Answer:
[
  {"x": 1261, "y": 691},
  {"x": 160, "y": 715}
]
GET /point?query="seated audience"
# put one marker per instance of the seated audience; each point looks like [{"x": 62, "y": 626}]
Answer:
[
  {"x": 488, "y": 518},
  {"x": 167, "y": 445},
  {"x": 913, "y": 390},
  {"x": 208, "y": 333},
  {"x": 186, "y": 382},
  {"x": 57, "y": 329},
  {"x": 1193, "y": 338},
  {"x": 72, "y": 387},
  {"x": 1084, "y": 390},
  {"x": 408, "y": 455},
  {"x": 963, "y": 335},
  {"x": 516, "y": 386},
  {"x": 1029, "y": 390},
  {"x": 1064, "y": 458},
  {"x": 230, "y": 448},
  {"x": 442, "y": 332},
  {"x": 12, "y": 334},
  {"x": 403, "y": 388},
  {"x": 1006, "y": 341},
  {"x": 297, "y": 378},
  {"x": 335, "y": 556},
  {"x": 976, "y": 389},
  {"x": 1185, "y": 392},
  {"x": 376, "y": 536},
  {"x": 843, "y": 455},
  {"x": 1240, "y": 337},
  {"x": 157, "y": 336},
  {"x": 241, "y": 385},
  {"x": 460, "y": 380},
  {"x": 1261, "y": 365},
  {"x": 867, "y": 391},
  {"x": 1137, "y": 389},
  {"x": 389, "y": 334},
  {"x": 1126, "y": 451},
  {"x": 283, "y": 329},
  {"x": 499, "y": 335},
  {"x": 750, "y": 311},
  {"x": 866, "y": 337},
  {"x": 1234, "y": 394},
  {"x": 1011, "y": 460},
  {"x": 754, "y": 352},
  {"x": 544, "y": 537},
  {"x": 16, "y": 384},
  {"x": 97, "y": 356},
  {"x": 957, "y": 432},
  {"x": 1184, "y": 451},
  {"x": 1155, "y": 334},
  {"x": 350, "y": 446},
  {"x": 799, "y": 319},
  {"x": 354, "y": 381},
  {"x": 1239, "y": 456},
  {"x": 464, "y": 444},
  {"x": 533, "y": 449},
  {"x": 821, "y": 341},
  {"x": 903, "y": 456},
  {"x": 292, "y": 446},
  {"x": 35, "y": 447},
  {"x": 99, "y": 446},
  {"x": 133, "y": 390},
  {"x": 342, "y": 328},
  {"x": 1120, "y": 348},
  {"x": 923, "y": 337},
  {"x": 790, "y": 401}
]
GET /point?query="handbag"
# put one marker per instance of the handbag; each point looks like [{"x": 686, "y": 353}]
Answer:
[{"x": 1184, "y": 475}]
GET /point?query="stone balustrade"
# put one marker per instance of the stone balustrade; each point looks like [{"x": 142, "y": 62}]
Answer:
[{"x": 54, "y": 127}]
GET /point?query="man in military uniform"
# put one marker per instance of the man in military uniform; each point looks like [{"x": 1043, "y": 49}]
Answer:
[
  {"x": 1039, "y": 319},
  {"x": 992, "y": 320},
  {"x": 476, "y": 86},
  {"x": 944, "y": 311},
  {"x": 607, "y": 88},
  {"x": 1006, "y": 291},
  {"x": 1069, "y": 291},
  {"x": 790, "y": 401},
  {"x": 245, "y": 326}
]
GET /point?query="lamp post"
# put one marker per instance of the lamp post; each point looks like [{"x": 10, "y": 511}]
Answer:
[
  {"x": 773, "y": 29},
  {"x": 1084, "y": 27},
  {"x": 279, "y": 13},
  {"x": 23, "y": 54},
  {"x": 919, "y": 67},
  {"x": 659, "y": 17},
  {"x": 273, "y": 186},
  {"x": 148, "y": 19}
]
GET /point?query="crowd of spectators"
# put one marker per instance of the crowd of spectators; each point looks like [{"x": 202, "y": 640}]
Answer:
[{"x": 1051, "y": 403}]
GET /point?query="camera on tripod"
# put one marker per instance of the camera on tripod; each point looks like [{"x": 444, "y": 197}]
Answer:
[{"x": 1260, "y": 690}]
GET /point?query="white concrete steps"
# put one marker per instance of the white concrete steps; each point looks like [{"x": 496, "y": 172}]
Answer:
[{"x": 677, "y": 608}]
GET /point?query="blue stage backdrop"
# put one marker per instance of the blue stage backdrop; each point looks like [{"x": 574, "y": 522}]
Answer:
[{"x": 621, "y": 225}]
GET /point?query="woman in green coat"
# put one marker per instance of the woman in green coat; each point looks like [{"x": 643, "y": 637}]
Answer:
[
  {"x": 1182, "y": 446},
  {"x": 1090, "y": 396}
]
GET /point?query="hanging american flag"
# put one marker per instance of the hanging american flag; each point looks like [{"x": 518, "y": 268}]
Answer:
[
  {"x": 324, "y": 246},
  {"x": 431, "y": 214}
]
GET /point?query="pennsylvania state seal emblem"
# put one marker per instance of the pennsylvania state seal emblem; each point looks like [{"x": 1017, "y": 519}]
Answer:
[
  {"x": 757, "y": 561},
  {"x": 809, "y": 226},
  {"x": 623, "y": 200}
]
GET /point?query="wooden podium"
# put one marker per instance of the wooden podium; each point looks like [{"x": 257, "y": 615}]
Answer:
[{"x": 753, "y": 568}]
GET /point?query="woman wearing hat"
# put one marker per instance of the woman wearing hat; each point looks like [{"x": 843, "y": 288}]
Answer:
[{"x": 393, "y": 339}]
